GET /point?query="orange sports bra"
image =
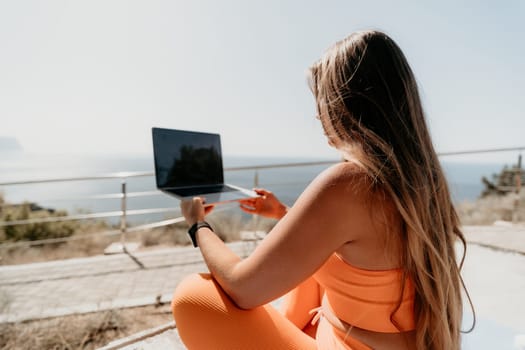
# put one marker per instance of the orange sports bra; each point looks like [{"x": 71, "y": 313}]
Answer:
[{"x": 366, "y": 298}]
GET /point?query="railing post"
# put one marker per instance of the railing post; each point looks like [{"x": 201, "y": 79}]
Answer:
[
  {"x": 515, "y": 216},
  {"x": 256, "y": 179},
  {"x": 255, "y": 218},
  {"x": 123, "y": 223}
]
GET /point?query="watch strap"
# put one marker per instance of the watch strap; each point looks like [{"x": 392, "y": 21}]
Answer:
[{"x": 193, "y": 231}]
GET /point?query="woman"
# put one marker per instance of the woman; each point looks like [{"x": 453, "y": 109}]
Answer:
[{"x": 366, "y": 254}]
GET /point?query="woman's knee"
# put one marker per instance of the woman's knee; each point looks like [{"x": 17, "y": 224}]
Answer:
[
  {"x": 206, "y": 318},
  {"x": 194, "y": 296},
  {"x": 200, "y": 307}
]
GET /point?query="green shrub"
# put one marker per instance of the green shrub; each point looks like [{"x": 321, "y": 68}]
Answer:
[{"x": 34, "y": 231}]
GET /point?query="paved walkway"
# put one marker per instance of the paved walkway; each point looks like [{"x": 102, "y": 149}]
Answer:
[
  {"x": 58, "y": 288},
  {"x": 501, "y": 237}
]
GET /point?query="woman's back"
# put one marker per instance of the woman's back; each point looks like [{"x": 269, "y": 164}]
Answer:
[
  {"x": 377, "y": 248},
  {"x": 366, "y": 268}
]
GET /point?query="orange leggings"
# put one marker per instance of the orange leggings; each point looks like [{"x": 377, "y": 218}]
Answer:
[{"x": 206, "y": 318}]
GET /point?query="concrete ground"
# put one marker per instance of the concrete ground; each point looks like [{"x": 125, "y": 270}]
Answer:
[
  {"x": 64, "y": 287},
  {"x": 494, "y": 273}
]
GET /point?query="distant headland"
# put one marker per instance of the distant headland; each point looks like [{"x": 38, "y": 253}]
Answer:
[{"x": 9, "y": 144}]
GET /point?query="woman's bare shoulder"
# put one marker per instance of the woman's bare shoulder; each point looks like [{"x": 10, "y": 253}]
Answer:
[{"x": 347, "y": 177}]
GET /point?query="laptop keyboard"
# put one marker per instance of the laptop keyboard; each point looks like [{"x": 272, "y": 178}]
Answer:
[{"x": 203, "y": 190}]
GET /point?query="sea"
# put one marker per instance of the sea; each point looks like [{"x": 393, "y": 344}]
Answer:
[{"x": 77, "y": 196}]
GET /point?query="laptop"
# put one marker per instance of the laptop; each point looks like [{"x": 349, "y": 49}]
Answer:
[{"x": 189, "y": 164}]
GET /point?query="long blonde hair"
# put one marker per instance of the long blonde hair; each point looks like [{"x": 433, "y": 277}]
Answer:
[{"x": 366, "y": 90}]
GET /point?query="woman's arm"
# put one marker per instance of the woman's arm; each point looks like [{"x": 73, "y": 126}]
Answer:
[{"x": 327, "y": 215}]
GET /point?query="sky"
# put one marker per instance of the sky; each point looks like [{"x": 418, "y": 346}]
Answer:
[{"x": 93, "y": 77}]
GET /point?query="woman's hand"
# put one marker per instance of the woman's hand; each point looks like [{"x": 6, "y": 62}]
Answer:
[
  {"x": 194, "y": 210},
  {"x": 265, "y": 205}
]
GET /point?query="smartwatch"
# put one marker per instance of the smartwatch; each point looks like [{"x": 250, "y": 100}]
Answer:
[{"x": 194, "y": 228}]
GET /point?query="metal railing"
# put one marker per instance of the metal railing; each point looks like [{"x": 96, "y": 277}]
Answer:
[
  {"x": 123, "y": 195},
  {"x": 124, "y": 212}
]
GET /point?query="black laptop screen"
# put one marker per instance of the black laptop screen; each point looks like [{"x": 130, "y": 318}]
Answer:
[{"x": 186, "y": 158}]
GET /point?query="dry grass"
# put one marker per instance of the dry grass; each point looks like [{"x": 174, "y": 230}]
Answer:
[
  {"x": 227, "y": 225},
  {"x": 89, "y": 246},
  {"x": 88, "y": 331},
  {"x": 487, "y": 210}
]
